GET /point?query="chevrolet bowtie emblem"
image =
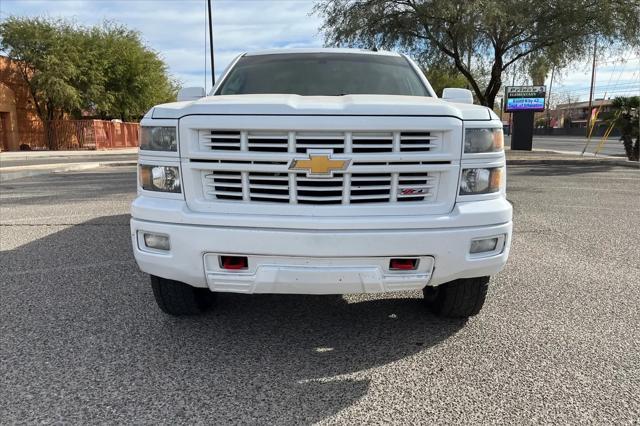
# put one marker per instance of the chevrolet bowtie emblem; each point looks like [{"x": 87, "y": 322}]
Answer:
[{"x": 319, "y": 165}]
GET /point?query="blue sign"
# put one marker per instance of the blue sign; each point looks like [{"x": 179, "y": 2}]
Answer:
[
  {"x": 525, "y": 104},
  {"x": 524, "y": 98}
]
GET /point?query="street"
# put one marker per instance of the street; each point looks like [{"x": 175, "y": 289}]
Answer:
[
  {"x": 82, "y": 341},
  {"x": 10, "y": 160},
  {"x": 611, "y": 146}
]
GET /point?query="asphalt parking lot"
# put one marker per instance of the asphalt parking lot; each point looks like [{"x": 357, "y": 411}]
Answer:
[{"x": 81, "y": 340}]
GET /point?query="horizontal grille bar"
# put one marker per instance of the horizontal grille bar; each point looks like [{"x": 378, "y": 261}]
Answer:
[
  {"x": 361, "y": 188},
  {"x": 305, "y": 141}
]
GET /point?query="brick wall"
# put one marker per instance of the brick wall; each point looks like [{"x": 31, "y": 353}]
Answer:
[{"x": 24, "y": 125}]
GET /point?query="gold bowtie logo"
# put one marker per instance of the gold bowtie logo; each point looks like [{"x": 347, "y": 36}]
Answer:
[{"x": 319, "y": 165}]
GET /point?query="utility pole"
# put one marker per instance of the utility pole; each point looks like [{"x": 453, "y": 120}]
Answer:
[
  {"x": 504, "y": 99},
  {"x": 589, "y": 112},
  {"x": 213, "y": 73},
  {"x": 593, "y": 78},
  {"x": 469, "y": 65},
  {"x": 553, "y": 70}
]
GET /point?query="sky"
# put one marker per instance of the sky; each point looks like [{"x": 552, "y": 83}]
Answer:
[{"x": 176, "y": 30}]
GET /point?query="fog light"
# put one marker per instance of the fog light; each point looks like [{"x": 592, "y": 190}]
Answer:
[
  {"x": 157, "y": 242},
  {"x": 482, "y": 246}
]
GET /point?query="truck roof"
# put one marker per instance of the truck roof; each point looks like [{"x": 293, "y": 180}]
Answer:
[{"x": 321, "y": 50}]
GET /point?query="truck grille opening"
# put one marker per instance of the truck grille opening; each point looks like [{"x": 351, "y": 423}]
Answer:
[
  {"x": 415, "y": 141},
  {"x": 224, "y": 185},
  {"x": 297, "y": 188},
  {"x": 302, "y": 142},
  {"x": 384, "y": 166},
  {"x": 221, "y": 140}
]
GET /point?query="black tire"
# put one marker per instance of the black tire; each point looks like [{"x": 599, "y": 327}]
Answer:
[
  {"x": 176, "y": 298},
  {"x": 457, "y": 299}
]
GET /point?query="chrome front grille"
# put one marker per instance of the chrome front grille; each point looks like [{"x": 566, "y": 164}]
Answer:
[
  {"x": 252, "y": 166},
  {"x": 297, "y": 188},
  {"x": 302, "y": 142}
]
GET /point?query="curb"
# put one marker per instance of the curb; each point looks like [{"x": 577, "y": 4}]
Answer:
[
  {"x": 568, "y": 162},
  {"x": 575, "y": 162},
  {"x": 29, "y": 155},
  {"x": 19, "y": 172},
  {"x": 577, "y": 153},
  {"x": 118, "y": 163},
  {"x": 567, "y": 157}
]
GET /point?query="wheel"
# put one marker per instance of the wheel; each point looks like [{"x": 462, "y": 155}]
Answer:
[
  {"x": 457, "y": 299},
  {"x": 176, "y": 298}
]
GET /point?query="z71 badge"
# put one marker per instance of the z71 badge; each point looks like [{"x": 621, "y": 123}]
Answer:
[{"x": 414, "y": 191}]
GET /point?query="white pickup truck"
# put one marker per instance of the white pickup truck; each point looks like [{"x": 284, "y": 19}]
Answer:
[{"x": 324, "y": 171}]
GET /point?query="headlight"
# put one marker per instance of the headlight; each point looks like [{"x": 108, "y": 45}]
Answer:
[
  {"x": 160, "y": 178},
  {"x": 158, "y": 138},
  {"x": 483, "y": 140},
  {"x": 480, "y": 181}
]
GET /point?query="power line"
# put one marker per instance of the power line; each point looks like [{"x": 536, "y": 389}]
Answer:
[
  {"x": 600, "y": 93},
  {"x": 621, "y": 84},
  {"x": 619, "y": 60}
]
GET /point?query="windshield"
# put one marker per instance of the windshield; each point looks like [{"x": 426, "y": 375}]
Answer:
[{"x": 323, "y": 74}]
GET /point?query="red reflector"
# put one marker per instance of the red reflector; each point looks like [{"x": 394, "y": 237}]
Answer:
[
  {"x": 403, "y": 264},
  {"x": 234, "y": 262}
]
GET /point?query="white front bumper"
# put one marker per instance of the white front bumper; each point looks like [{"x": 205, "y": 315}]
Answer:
[
  {"x": 306, "y": 261},
  {"x": 315, "y": 275}
]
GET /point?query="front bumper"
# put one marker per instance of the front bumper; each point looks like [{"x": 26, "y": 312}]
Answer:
[{"x": 306, "y": 261}]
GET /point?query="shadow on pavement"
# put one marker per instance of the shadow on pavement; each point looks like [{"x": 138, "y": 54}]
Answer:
[{"x": 83, "y": 341}]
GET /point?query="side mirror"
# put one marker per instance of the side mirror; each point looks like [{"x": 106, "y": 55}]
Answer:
[
  {"x": 461, "y": 96},
  {"x": 190, "y": 93}
]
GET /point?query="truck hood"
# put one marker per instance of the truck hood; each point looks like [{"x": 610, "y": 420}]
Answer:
[{"x": 367, "y": 105}]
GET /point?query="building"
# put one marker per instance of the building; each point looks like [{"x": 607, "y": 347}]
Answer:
[
  {"x": 19, "y": 123},
  {"x": 576, "y": 114}
]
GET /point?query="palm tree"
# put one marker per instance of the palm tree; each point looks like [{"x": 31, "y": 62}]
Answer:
[{"x": 624, "y": 117}]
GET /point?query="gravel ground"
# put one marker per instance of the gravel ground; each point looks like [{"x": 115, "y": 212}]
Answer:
[{"x": 81, "y": 340}]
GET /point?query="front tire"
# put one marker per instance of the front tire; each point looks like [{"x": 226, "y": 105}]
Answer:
[
  {"x": 176, "y": 298},
  {"x": 457, "y": 299}
]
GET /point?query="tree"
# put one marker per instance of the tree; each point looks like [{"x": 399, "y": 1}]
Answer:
[
  {"x": 47, "y": 55},
  {"x": 70, "y": 70},
  {"x": 443, "y": 76},
  {"x": 496, "y": 33},
  {"x": 538, "y": 70},
  {"x": 134, "y": 77}
]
